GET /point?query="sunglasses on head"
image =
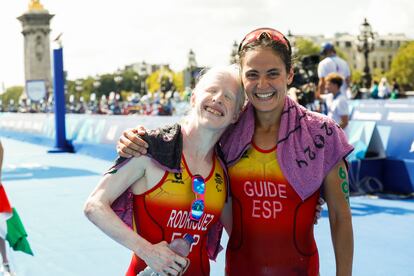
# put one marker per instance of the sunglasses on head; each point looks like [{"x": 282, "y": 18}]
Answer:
[
  {"x": 197, "y": 206},
  {"x": 260, "y": 33}
]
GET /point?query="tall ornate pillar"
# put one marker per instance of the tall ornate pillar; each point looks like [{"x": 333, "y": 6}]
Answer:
[{"x": 36, "y": 29}]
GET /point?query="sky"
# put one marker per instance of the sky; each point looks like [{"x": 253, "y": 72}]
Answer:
[{"x": 102, "y": 36}]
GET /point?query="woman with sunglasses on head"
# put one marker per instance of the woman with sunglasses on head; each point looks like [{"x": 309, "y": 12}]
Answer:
[
  {"x": 281, "y": 158},
  {"x": 179, "y": 188}
]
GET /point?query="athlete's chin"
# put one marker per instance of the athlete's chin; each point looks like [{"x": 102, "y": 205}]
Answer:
[
  {"x": 214, "y": 125},
  {"x": 267, "y": 106}
]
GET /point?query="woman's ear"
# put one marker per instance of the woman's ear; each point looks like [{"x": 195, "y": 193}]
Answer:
[
  {"x": 290, "y": 76},
  {"x": 236, "y": 116},
  {"x": 192, "y": 99}
]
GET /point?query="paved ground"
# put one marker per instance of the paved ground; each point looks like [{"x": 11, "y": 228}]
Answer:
[{"x": 49, "y": 190}]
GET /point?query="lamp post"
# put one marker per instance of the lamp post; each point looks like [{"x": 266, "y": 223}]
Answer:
[
  {"x": 72, "y": 100},
  {"x": 292, "y": 40},
  {"x": 143, "y": 72},
  {"x": 365, "y": 45},
  {"x": 118, "y": 79},
  {"x": 78, "y": 88},
  {"x": 234, "y": 56},
  {"x": 96, "y": 82},
  {"x": 93, "y": 103},
  {"x": 191, "y": 67}
]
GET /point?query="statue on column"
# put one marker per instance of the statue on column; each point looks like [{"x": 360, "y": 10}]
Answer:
[{"x": 35, "y": 5}]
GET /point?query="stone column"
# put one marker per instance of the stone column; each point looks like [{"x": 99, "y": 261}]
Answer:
[{"x": 36, "y": 29}]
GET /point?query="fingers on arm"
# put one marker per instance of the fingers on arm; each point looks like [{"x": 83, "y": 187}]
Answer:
[
  {"x": 131, "y": 145},
  {"x": 186, "y": 266},
  {"x": 178, "y": 266},
  {"x": 164, "y": 261},
  {"x": 319, "y": 209},
  {"x": 140, "y": 130},
  {"x": 124, "y": 151}
]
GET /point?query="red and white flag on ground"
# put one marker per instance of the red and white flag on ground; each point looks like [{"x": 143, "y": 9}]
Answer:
[
  {"x": 11, "y": 227},
  {"x": 5, "y": 212}
]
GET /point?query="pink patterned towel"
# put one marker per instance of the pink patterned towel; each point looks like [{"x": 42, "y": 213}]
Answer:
[{"x": 309, "y": 145}]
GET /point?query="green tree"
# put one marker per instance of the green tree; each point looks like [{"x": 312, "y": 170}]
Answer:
[
  {"x": 306, "y": 47},
  {"x": 87, "y": 88},
  {"x": 356, "y": 76},
  {"x": 179, "y": 81},
  {"x": 107, "y": 85},
  {"x": 402, "y": 66},
  {"x": 130, "y": 81},
  {"x": 152, "y": 82},
  {"x": 84, "y": 86},
  {"x": 12, "y": 93},
  {"x": 155, "y": 79},
  {"x": 377, "y": 74},
  {"x": 341, "y": 54}
]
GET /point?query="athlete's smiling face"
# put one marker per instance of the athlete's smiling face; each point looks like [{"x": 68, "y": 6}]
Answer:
[
  {"x": 265, "y": 79},
  {"x": 216, "y": 99}
]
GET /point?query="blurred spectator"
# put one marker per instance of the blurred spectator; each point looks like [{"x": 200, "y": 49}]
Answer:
[
  {"x": 336, "y": 101},
  {"x": 92, "y": 106},
  {"x": 103, "y": 105},
  {"x": 374, "y": 90},
  {"x": 356, "y": 90},
  {"x": 158, "y": 103},
  {"x": 187, "y": 94},
  {"x": 383, "y": 89},
  {"x": 332, "y": 64},
  {"x": 114, "y": 107},
  {"x": 395, "y": 93}
]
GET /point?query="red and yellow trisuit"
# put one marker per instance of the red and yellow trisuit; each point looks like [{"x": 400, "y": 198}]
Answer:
[
  {"x": 163, "y": 213},
  {"x": 272, "y": 227}
]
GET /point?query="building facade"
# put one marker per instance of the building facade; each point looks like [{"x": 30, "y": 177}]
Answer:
[{"x": 385, "y": 48}]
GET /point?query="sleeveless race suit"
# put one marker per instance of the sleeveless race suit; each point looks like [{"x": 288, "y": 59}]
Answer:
[
  {"x": 272, "y": 227},
  {"x": 162, "y": 213}
]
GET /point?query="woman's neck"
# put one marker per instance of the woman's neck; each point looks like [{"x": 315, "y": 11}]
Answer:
[
  {"x": 267, "y": 128},
  {"x": 198, "y": 142},
  {"x": 268, "y": 120}
]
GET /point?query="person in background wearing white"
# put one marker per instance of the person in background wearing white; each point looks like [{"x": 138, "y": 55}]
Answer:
[
  {"x": 383, "y": 89},
  {"x": 332, "y": 64},
  {"x": 336, "y": 101}
]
